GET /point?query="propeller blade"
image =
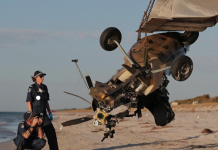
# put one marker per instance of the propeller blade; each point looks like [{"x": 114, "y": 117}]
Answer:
[
  {"x": 76, "y": 121},
  {"x": 78, "y": 97}
]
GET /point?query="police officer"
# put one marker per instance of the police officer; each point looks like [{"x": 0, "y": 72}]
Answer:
[
  {"x": 37, "y": 99},
  {"x": 30, "y": 133}
]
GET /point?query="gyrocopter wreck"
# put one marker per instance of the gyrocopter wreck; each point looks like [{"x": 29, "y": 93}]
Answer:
[{"x": 142, "y": 80}]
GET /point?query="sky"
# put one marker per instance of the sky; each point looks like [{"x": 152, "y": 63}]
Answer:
[{"x": 47, "y": 35}]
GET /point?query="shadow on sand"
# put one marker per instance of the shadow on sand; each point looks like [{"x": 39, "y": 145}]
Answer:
[
  {"x": 197, "y": 147},
  {"x": 162, "y": 142}
]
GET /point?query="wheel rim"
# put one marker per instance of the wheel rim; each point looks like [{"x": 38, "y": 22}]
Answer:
[
  {"x": 111, "y": 42},
  {"x": 185, "y": 69}
]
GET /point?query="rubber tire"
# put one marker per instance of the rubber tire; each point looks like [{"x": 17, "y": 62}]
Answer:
[
  {"x": 189, "y": 38},
  {"x": 106, "y": 35},
  {"x": 177, "y": 66}
]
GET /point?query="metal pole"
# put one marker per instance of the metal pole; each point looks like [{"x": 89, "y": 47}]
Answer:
[
  {"x": 80, "y": 72},
  {"x": 159, "y": 70},
  {"x": 122, "y": 50}
]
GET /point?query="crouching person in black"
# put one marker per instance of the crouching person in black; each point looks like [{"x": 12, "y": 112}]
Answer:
[{"x": 30, "y": 133}]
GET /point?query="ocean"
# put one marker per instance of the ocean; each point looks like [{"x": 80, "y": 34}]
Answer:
[{"x": 8, "y": 125}]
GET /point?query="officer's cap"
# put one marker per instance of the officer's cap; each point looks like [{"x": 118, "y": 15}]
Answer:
[
  {"x": 38, "y": 73},
  {"x": 28, "y": 115}
]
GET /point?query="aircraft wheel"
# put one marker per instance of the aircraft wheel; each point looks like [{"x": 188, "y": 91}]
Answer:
[
  {"x": 182, "y": 68},
  {"x": 107, "y": 37},
  {"x": 189, "y": 38}
]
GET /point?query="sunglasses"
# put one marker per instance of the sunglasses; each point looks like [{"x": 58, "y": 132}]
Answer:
[{"x": 41, "y": 76}]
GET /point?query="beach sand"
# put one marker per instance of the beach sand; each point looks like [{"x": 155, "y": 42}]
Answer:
[
  {"x": 9, "y": 145},
  {"x": 133, "y": 133}
]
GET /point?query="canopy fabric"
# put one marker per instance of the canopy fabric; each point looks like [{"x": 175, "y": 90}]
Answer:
[{"x": 182, "y": 15}]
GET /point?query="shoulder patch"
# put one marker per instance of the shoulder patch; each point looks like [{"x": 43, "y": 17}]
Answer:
[
  {"x": 29, "y": 90},
  {"x": 22, "y": 126}
]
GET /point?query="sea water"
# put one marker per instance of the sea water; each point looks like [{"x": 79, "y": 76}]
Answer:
[{"x": 8, "y": 125}]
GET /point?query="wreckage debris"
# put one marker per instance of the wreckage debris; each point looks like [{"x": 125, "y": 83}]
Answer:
[
  {"x": 197, "y": 146},
  {"x": 206, "y": 131}
]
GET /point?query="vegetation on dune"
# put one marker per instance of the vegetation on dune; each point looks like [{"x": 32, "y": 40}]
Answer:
[
  {"x": 68, "y": 109},
  {"x": 89, "y": 108},
  {"x": 201, "y": 99}
]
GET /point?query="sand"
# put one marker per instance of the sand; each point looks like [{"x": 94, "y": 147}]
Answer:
[
  {"x": 133, "y": 133},
  {"x": 9, "y": 145}
]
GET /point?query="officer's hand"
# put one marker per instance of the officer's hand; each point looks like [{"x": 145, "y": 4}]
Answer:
[
  {"x": 39, "y": 121},
  {"x": 35, "y": 121}
]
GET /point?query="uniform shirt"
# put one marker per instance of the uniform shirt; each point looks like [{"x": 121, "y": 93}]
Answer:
[
  {"x": 38, "y": 96},
  {"x": 32, "y": 93},
  {"x": 23, "y": 126}
]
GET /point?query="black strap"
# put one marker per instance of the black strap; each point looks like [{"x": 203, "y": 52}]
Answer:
[
  {"x": 20, "y": 145},
  {"x": 132, "y": 58},
  {"x": 30, "y": 131}
]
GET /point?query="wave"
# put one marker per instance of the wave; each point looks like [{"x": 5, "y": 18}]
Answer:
[
  {"x": 6, "y": 133},
  {"x": 3, "y": 123},
  {"x": 8, "y": 125},
  {"x": 4, "y": 139}
]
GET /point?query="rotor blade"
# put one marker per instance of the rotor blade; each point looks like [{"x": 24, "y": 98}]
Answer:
[
  {"x": 78, "y": 97},
  {"x": 76, "y": 121}
]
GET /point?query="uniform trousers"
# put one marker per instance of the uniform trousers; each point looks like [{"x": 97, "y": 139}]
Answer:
[
  {"x": 50, "y": 133},
  {"x": 36, "y": 144}
]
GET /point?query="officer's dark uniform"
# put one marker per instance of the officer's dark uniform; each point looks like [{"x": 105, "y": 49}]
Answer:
[
  {"x": 38, "y": 96},
  {"x": 33, "y": 142}
]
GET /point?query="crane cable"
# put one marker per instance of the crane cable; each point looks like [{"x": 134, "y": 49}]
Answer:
[
  {"x": 77, "y": 83},
  {"x": 144, "y": 23}
]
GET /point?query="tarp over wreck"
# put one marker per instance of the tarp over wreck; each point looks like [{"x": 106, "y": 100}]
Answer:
[{"x": 182, "y": 15}]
